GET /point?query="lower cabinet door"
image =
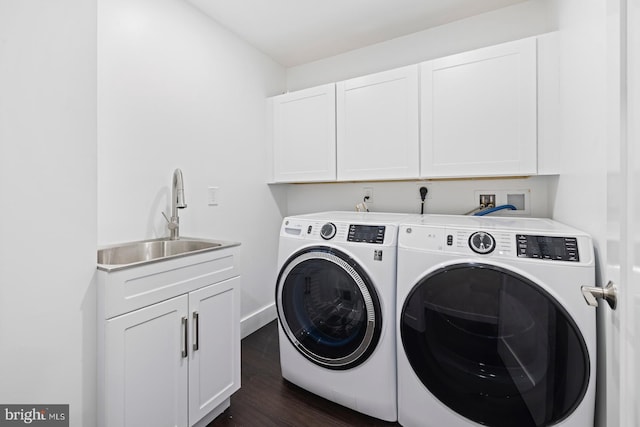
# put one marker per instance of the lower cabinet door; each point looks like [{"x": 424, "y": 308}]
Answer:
[
  {"x": 147, "y": 367},
  {"x": 214, "y": 360}
]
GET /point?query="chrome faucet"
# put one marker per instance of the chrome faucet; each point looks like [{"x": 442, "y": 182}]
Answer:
[{"x": 177, "y": 202}]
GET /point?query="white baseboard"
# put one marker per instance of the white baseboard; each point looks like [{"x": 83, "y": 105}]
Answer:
[
  {"x": 218, "y": 410},
  {"x": 257, "y": 319}
]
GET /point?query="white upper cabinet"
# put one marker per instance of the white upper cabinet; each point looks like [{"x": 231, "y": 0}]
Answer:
[
  {"x": 549, "y": 105},
  {"x": 478, "y": 115},
  {"x": 486, "y": 112},
  {"x": 378, "y": 126},
  {"x": 304, "y": 135}
]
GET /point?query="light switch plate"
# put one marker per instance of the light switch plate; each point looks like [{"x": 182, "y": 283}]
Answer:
[{"x": 213, "y": 196}]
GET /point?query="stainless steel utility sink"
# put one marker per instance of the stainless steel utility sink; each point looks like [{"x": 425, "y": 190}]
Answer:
[{"x": 147, "y": 251}]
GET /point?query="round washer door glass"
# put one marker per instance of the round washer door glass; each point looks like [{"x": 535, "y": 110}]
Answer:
[
  {"x": 494, "y": 347},
  {"x": 328, "y": 308}
]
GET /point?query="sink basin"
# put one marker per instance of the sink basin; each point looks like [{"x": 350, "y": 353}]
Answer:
[{"x": 136, "y": 253}]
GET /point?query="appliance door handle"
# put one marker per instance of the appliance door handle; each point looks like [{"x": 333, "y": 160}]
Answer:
[
  {"x": 184, "y": 336},
  {"x": 609, "y": 293},
  {"x": 196, "y": 331}
]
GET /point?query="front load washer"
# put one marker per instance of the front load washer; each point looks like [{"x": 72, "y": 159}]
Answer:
[
  {"x": 492, "y": 326},
  {"x": 335, "y": 296}
]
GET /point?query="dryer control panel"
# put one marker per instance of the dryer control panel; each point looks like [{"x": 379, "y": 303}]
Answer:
[{"x": 545, "y": 247}]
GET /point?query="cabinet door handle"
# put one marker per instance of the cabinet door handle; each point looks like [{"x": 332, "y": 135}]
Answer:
[
  {"x": 196, "y": 330},
  {"x": 185, "y": 336}
]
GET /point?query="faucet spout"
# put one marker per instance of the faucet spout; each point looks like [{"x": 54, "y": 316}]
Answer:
[
  {"x": 177, "y": 202},
  {"x": 177, "y": 193}
]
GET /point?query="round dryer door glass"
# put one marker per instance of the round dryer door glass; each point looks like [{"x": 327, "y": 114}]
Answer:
[
  {"x": 328, "y": 308},
  {"x": 494, "y": 346}
]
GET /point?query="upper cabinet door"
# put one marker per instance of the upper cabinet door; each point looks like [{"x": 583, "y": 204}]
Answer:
[
  {"x": 378, "y": 126},
  {"x": 478, "y": 113},
  {"x": 304, "y": 135}
]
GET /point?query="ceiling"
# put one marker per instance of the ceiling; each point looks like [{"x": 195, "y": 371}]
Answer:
[{"x": 295, "y": 32}]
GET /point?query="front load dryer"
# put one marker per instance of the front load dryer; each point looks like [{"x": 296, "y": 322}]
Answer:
[
  {"x": 493, "y": 329},
  {"x": 335, "y": 297}
]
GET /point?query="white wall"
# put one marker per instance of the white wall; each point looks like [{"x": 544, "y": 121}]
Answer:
[
  {"x": 48, "y": 204},
  {"x": 581, "y": 194},
  {"x": 583, "y": 117},
  {"x": 176, "y": 90},
  {"x": 443, "y": 197},
  {"x": 511, "y": 23},
  {"x": 454, "y": 197}
]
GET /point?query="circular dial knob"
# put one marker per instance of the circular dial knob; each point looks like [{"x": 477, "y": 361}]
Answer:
[
  {"x": 481, "y": 242},
  {"x": 328, "y": 231}
]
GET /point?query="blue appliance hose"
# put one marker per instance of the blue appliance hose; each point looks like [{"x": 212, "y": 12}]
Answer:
[{"x": 497, "y": 208}]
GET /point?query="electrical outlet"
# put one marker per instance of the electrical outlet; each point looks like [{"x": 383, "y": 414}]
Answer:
[
  {"x": 367, "y": 195},
  {"x": 430, "y": 186}
]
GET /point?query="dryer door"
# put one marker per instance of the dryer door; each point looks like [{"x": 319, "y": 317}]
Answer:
[
  {"x": 328, "y": 307},
  {"x": 494, "y": 346}
]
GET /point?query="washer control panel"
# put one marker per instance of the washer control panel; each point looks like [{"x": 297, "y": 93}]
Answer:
[
  {"x": 545, "y": 247},
  {"x": 366, "y": 233}
]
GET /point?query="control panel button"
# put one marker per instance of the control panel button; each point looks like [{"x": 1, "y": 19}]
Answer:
[
  {"x": 328, "y": 231},
  {"x": 482, "y": 243}
]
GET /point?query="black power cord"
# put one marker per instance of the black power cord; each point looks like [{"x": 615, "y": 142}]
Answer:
[{"x": 423, "y": 195}]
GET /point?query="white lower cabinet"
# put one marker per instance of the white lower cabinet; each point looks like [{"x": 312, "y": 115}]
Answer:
[
  {"x": 175, "y": 362},
  {"x": 214, "y": 358},
  {"x": 172, "y": 363},
  {"x": 147, "y": 381}
]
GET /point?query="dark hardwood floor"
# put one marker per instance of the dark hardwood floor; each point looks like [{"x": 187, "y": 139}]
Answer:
[{"x": 265, "y": 399}]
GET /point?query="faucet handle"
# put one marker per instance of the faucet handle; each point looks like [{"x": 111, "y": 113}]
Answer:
[{"x": 171, "y": 224}]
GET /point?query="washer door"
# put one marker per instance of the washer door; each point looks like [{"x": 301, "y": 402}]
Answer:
[
  {"x": 494, "y": 346},
  {"x": 328, "y": 308}
]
